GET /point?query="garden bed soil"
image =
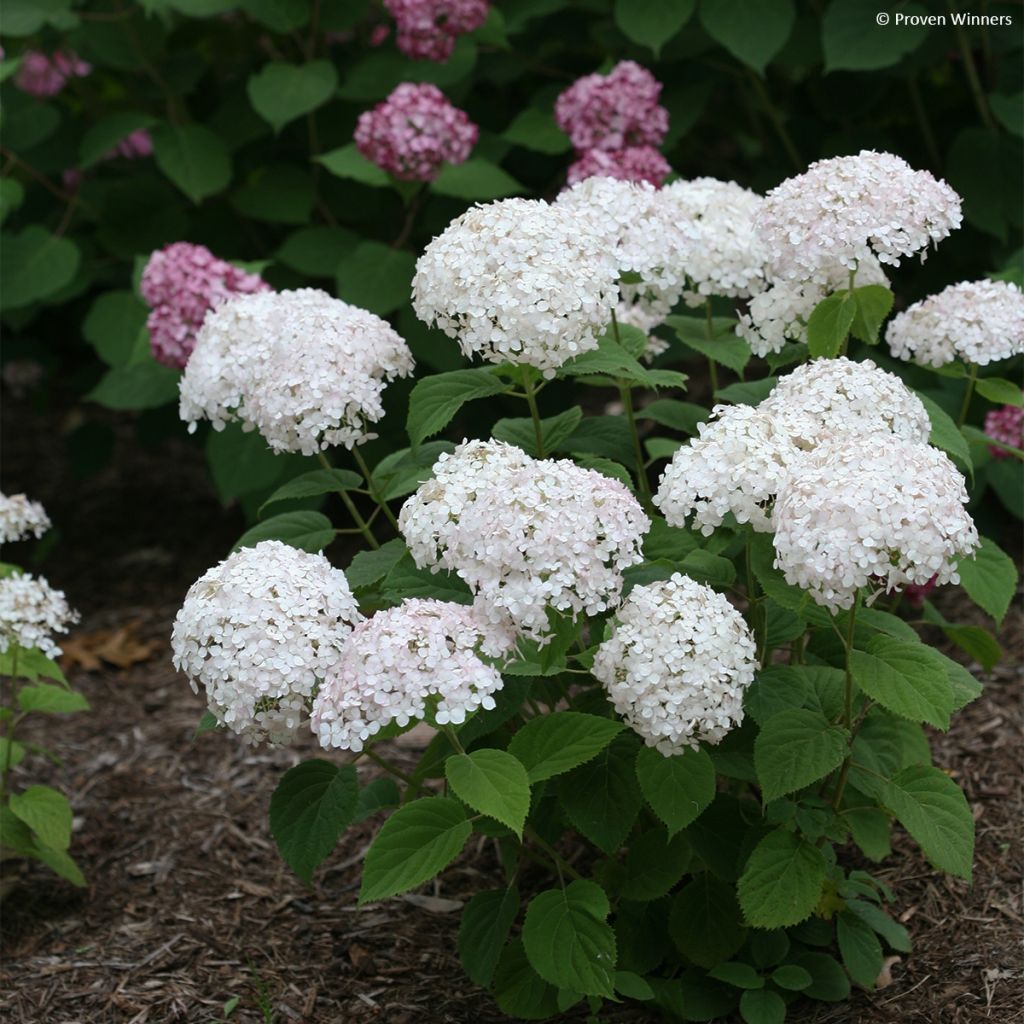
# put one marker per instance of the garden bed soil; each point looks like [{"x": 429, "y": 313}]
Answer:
[{"x": 189, "y": 905}]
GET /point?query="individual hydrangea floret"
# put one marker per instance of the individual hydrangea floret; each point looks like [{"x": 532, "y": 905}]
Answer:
[
  {"x": 634, "y": 163},
  {"x": 1006, "y": 425},
  {"x": 677, "y": 664},
  {"x": 526, "y": 535},
  {"x": 43, "y": 76},
  {"x": 870, "y": 509},
  {"x": 306, "y": 370},
  {"x": 979, "y": 322},
  {"x": 31, "y": 611},
  {"x": 421, "y": 660},
  {"x": 614, "y": 111},
  {"x": 724, "y": 255},
  {"x": 181, "y": 283},
  {"x": 427, "y": 29},
  {"x": 258, "y": 632},
  {"x": 21, "y": 518},
  {"x": 842, "y": 210},
  {"x": 520, "y": 281},
  {"x": 743, "y": 454},
  {"x": 413, "y": 132}
]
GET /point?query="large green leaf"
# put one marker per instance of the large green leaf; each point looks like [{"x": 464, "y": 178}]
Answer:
[
  {"x": 34, "y": 264},
  {"x": 281, "y": 92},
  {"x": 103, "y": 135},
  {"x": 854, "y": 40},
  {"x": 348, "y": 162},
  {"x": 945, "y": 434},
  {"x": 193, "y": 157},
  {"x": 753, "y": 31},
  {"x": 316, "y": 251},
  {"x": 653, "y": 22},
  {"x": 483, "y": 930},
  {"x": 829, "y": 324},
  {"x": 47, "y": 813},
  {"x": 726, "y": 347},
  {"x": 417, "y": 841},
  {"x": 535, "y": 129},
  {"x": 376, "y": 277},
  {"x": 307, "y": 531},
  {"x": 705, "y": 922},
  {"x": 476, "y": 179},
  {"x": 795, "y": 748},
  {"x": 315, "y": 483},
  {"x": 554, "y": 431},
  {"x": 552, "y": 744},
  {"x": 782, "y": 881},
  {"x": 860, "y": 949},
  {"x": 990, "y": 578},
  {"x": 677, "y": 788},
  {"x": 654, "y": 863},
  {"x": 519, "y": 990},
  {"x": 140, "y": 385},
  {"x": 311, "y": 806},
  {"x": 492, "y": 782},
  {"x": 372, "y": 565},
  {"x": 401, "y": 472},
  {"x": 51, "y": 699},
  {"x": 873, "y": 302},
  {"x": 115, "y": 325},
  {"x": 436, "y": 399}
]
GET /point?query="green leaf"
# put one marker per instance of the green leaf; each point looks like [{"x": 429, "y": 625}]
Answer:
[
  {"x": 860, "y": 949},
  {"x": 990, "y": 579},
  {"x": 485, "y": 926},
  {"x": 376, "y": 277},
  {"x": 401, "y": 472},
  {"x": 12, "y": 195},
  {"x": 193, "y": 157},
  {"x": 1002, "y": 392},
  {"x": 316, "y": 482},
  {"x": 316, "y": 251},
  {"x": 829, "y": 982},
  {"x": 762, "y": 1007},
  {"x": 653, "y": 22},
  {"x": 61, "y": 863},
  {"x": 370, "y": 566},
  {"x": 535, "y": 129},
  {"x": 143, "y": 385},
  {"x": 751, "y": 392},
  {"x": 726, "y": 347},
  {"x": 307, "y": 531},
  {"x": 753, "y": 31},
  {"x": 492, "y": 782},
  {"x": 279, "y": 15},
  {"x": 34, "y": 265},
  {"x": 281, "y": 92},
  {"x": 103, "y": 135},
  {"x": 552, "y": 744},
  {"x": 51, "y": 699},
  {"x": 476, "y": 179},
  {"x": 907, "y": 679},
  {"x": 311, "y": 806},
  {"x": 791, "y": 977},
  {"x": 554, "y": 430},
  {"x": 113, "y": 327},
  {"x": 654, "y": 863},
  {"x": 567, "y": 940},
  {"x": 870, "y": 829},
  {"x": 419, "y": 840},
  {"x": 931, "y": 807},
  {"x": 608, "y": 359},
  {"x": 873, "y": 304},
  {"x": 854, "y": 41},
  {"x": 682, "y": 416},
  {"x": 47, "y": 813},
  {"x": 436, "y": 399},
  {"x": 781, "y": 884},
  {"x": 795, "y": 748},
  {"x": 705, "y": 922},
  {"x": 29, "y": 663},
  {"x": 892, "y": 931},
  {"x": 829, "y": 324},
  {"x": 278, "y": 194},
  {"x": 677, "y": 788},
  {"x": 607, "y": 436},
  {"x": 1009, "y": 111},
  {"x": 406, "y": 580},
  {"x": 519, "y": 990},
  {"x": 979, "y": 643},
  {"x": 739, "y": 975},
  {"x": 348, "y": 162},
  {"x": 945, "y": 434},
  {"x": 241, "y": 462}
]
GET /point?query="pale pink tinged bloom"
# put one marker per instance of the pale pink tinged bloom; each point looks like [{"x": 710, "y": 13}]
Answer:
[
  {"x": 427, "y": 29},
  {"x": 181, "y": 283},
  {"x": 637, "y": 163},
  {"x": 134, "y": 146},
  {"x": 414, "y": 132},
  {"x": 42, "y": 76},
  {"x": 616, "y": 111},
  {"x": 1006, "y": 425},
  {"x": 916, "y": 596},
  {"x": 379, "y": 35}
]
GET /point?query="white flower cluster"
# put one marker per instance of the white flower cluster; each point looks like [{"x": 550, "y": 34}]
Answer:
[
  {"x": 871, "y": 508},
  {"x": 258, "y": 631},
  {"x": 677, "y": 664},
  {"x": 304, "y": 369},
  {"x": 848, "y": 208},
  {"x": 780, "y": 312},
  {"x": 980, "y": 322},
  {"x": 519, "y": 281},
  {"x": 21, "y": 518},
  {"x": 420, "y": 660},
  {"x": 31, "y": 611},
  {"x": 743, "y": 454},
  {"x": 724, "y": 254},
  {"x": 525, "y": 534}
]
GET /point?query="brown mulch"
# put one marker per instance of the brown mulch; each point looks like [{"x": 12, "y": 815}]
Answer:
[{"x": 189, "y": 905}]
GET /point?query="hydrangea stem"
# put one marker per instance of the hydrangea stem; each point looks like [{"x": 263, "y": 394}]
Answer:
[
  {"x": 626, "y": 395},
  {"x": 372, "y": 488},
  {"x": 531, "y": 399},
  {"x": 709, "y": 331},
  {"x": 972, "y": 379},
  {"x": 844, "y": 771},
  {"x": 5, "y": 771},
  {"x": 364, "y": 527}
]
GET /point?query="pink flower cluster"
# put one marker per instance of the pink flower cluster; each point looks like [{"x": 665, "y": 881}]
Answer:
[
  {"x": 134, "y": 146},
  {"x": 1006, "y": 425},
  {"x": 181, "y": 283},
  {"x": 615, "y": 123},
  {"x": 414, "y": 131},
  {"x": 42, "y": 76},
  {"x": 427, "y": 29}
]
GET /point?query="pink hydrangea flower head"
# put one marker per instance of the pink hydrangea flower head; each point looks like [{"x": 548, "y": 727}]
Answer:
[
  {"x": 44, "y": 76},
  {"x": 614, "y": 111},
  {"x": 635, "y": 163},
  {"x": 414, "y": 131},
  {"x": 427, "y": 29},
  {"x": 181, "y": 283},
  {"x": 1006, "y": 425},
  {"x": 134, "y": 146}
]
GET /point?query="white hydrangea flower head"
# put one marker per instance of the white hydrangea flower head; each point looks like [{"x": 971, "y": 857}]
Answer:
[
  {"x": 871, "y": 509},
  {"x": 525, "y": 534},
  {"x": 780, "y": 312},
  {"x": 21, "y": 518},
  {"x": 258, "y": 632},
  {"x": 520, "y": 281},
  {"x": 677, "y": 664},
  {"x": 980, "y": 322},
  {"x": 842, "y": 210},
  {"x": 306, "y": 370},
  {"x": 724, "y": 254},
  {"x": 420, "y": 660},
  {"x": 31, "y": 611}
]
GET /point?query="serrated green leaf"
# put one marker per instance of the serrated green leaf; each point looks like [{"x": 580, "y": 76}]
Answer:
[
  {"x": 669, "y": 412},
  {"x": 705, "y": 922},
  {"x": 654, "y": 863},
  {"x": 1002, "y": 392},
  {"x": 945, "y": 433},
  {"x": 35, "y": 264},
  {"x": 829, "y": 324},
  {"x": 492, "y": 782},
  {"x": 436, "y": 399},
  {"x": 854, "y": 41},
  {"x": 535, "y": 129},
  {"x": 307, "y": 531},
  {"x": 51, "y": 699},
  {"x": 678, "y": 788},
  {"x": 873, "y": 304},
  {"x": 484, "y": 929},
  {"x": 782, "y": 881},
  {"x": 376, "y": 277},
  {"x": 753, "y": 31},
  {"x": 860, "y": 949},
  {"x": 281, "y": 92},
  {"x": 194, "y": 158},
  {"x": 370, "y": 566},
  {"x": 475, "y": 179},
  {"x": 795, "y": 748},
  {"x": 46, "y": 812},
  {"x": 314, "y": 483},
  {"x": 892, "y": 931},
  {"x": 375, "y": 796},
  {"x": 554, "y": 430},
  {"x": 990, "y": 579},
  {"x": 406, "y": 580},
  {"x": 905, "y": 678},
  {"x": 553, "y": 744},
  {"x": 519, "y": 990}
]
